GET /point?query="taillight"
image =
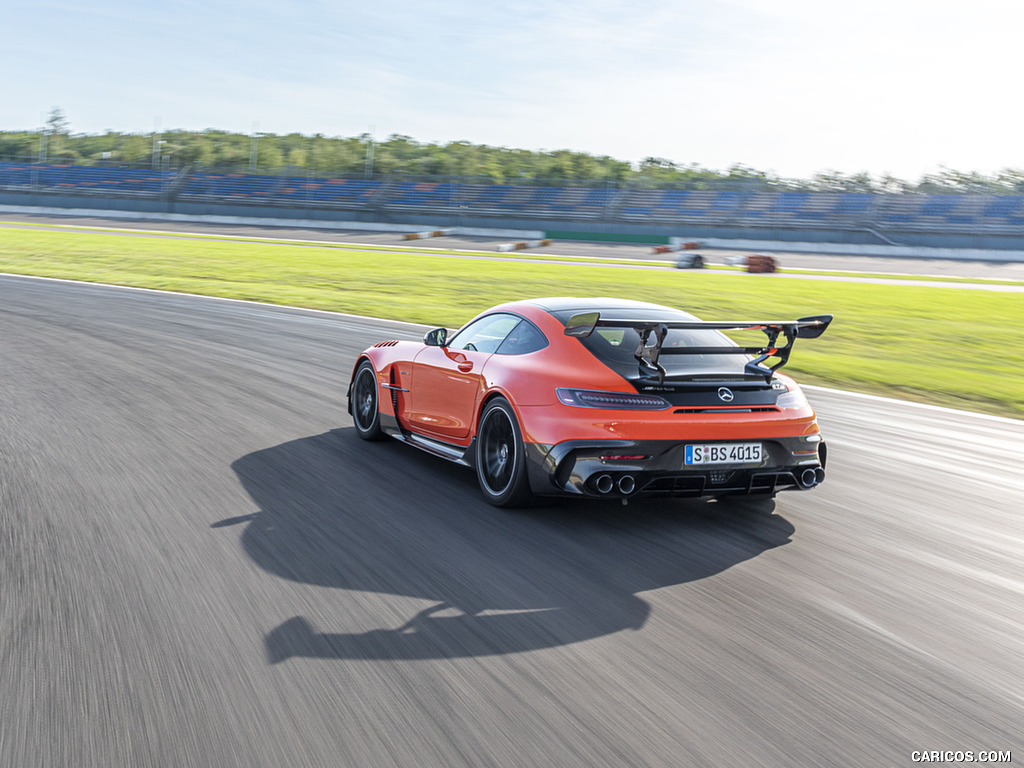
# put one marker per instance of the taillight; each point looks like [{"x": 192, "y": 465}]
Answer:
[
  {"x": 626, "y": 401},
  {"x": 794, "y": 398}
]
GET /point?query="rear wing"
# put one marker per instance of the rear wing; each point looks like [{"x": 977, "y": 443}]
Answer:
[{"x": 583, "y": 324}]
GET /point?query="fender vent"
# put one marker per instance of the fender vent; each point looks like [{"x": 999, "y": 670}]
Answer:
[
  {"x": 394, "y": 392},
  {"x": 390, "y": 343}
]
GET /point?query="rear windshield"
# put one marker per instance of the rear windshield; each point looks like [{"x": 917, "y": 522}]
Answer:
[{"x": 616, "y": 347}]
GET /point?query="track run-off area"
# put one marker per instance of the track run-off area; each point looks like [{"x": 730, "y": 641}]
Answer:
[
  {"x": 202, "y": 565},
  {"x": 995, "y": 275}
]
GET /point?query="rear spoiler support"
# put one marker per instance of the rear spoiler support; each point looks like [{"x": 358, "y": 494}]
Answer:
[{"x": 652, "y": 338}]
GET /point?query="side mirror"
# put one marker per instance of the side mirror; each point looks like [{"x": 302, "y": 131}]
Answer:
[{"x": 436, "y": 338}]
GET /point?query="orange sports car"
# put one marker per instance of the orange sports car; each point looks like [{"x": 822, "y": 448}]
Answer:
[{"x": 602, "y": 398}]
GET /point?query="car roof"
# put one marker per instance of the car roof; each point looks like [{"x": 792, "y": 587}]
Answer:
[{"x": 557, "y": 305}]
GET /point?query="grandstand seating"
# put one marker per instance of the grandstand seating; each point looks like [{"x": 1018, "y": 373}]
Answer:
[
  {"x": 1004, "y": 207},
  {"x": 254, "y": 188},
  {"x": 489, "y": 199},
  {"x": 761, "y": 209},
  {"x": 84, "y": 179},
  {"x": 422, "y": 193},
  {"x": 853, "y": 203},
  {"x": 674, "y": 204}
]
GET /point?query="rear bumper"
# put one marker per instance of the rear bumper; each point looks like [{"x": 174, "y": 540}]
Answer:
[{"x": 655, "y": 468}]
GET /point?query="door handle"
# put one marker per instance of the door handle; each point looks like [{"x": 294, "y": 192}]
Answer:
[{"x": 466, "y": 366}]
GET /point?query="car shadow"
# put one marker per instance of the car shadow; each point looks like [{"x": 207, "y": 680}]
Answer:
[{"x": 384, "y": 518}]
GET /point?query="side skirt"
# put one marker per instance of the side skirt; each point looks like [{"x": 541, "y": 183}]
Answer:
[{"x": 456, "y": 454}]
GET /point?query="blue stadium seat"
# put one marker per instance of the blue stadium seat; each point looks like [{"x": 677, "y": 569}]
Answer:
[{"x": 723, "y": 207}]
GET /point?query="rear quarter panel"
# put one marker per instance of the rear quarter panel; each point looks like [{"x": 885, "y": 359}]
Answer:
[{"x": 529, "y": 383}]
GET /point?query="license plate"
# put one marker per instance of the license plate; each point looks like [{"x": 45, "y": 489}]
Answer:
[{"x": 723, "y": 453}]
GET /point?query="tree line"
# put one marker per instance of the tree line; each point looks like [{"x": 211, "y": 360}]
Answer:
[{"x": 320, "y": 155}]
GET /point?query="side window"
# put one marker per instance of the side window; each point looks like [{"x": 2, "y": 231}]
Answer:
[
  {"x": 523, "y": 339},
  {"x": 485, "y": 334}
]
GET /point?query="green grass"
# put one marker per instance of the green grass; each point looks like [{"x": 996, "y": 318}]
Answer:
[
  {"x": 931, "y": 344},
  {"x": 413, "y": 246},
  {"x": 526, "y": 255}
]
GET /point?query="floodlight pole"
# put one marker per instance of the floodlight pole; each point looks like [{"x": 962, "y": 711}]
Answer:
[
  {"x": 42, "y": 141},
  {"x": 369, "y": 154},
  {"x": 156, "y": 142},
  {"x": 254, "y": 147}
]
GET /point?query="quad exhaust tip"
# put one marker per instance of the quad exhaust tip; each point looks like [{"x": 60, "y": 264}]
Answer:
[
  {"x": 605, "y": 484},
  {"x": 627, "y": 484}
]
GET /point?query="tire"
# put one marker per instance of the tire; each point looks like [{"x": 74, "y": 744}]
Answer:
[
  {"x": 501, "y": 458},
  {"x": 364, "y": 402}
]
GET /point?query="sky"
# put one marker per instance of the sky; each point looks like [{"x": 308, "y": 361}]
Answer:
[{"x": 791, "y": 87}]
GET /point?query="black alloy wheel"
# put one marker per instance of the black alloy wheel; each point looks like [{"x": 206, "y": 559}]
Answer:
[
  {"x": 365, "y": 413},
  {"x": 501, "y": 458}
]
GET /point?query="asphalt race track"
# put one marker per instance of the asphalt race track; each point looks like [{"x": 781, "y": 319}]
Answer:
[{"x": 202, "y": 565}]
